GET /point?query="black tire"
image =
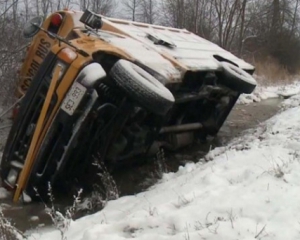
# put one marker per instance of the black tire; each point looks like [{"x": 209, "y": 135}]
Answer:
[
  {"x": 236, "y": 78},
  {"x": 142, "y": 87}
]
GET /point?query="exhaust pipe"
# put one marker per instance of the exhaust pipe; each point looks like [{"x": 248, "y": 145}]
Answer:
[{"x": 181, "y": 128}]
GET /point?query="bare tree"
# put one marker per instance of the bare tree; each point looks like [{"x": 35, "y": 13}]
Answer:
[
  {"x": 62, "y": 4},
  {"x": 133, "y": 8},
  {"x": 228, "y": 14},
  {"x": 104, "y": 7},
  {"x": 45, "y": 6},
  {"x": 149, "y": 11},
  {"x": 84, "y": 4},
  {"x": 26, "y": 10},
  {"x": 10, "y": 47},
  {"x": 37, "y": 7},
  {"x": 246, "y": 27},
  {"x": 295, "y": 16},
  {"x": 197, "y": 16},
  {"x": 176, "y": 12},
  {"x": 201, "y": 18},
  {"x": 242, "y": 26}
]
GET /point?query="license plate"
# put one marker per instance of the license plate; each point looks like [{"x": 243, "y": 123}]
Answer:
[{"x": 73, "y": 98}]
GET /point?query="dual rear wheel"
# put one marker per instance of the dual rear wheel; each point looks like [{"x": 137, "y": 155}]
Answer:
[{"x": 151, "y": 94}]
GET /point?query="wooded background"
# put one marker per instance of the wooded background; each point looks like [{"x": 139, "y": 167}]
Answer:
[{"x": 257, "y": 30}]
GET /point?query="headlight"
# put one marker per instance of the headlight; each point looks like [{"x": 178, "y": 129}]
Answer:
[
  {"x": 91, "y": 74},
  {"x": 67, "y": 55}
]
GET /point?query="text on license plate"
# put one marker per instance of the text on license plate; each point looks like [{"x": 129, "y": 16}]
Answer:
[{"x": 73, "y": 98}]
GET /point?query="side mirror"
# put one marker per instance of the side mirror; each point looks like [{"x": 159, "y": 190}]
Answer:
[{"x": 32, "y": 27}]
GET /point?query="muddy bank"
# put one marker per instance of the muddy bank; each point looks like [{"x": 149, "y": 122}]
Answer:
[{"x": 247, "y": 116}]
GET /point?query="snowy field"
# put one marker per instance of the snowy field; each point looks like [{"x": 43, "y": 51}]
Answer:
[{"x": 248, "y": 190}]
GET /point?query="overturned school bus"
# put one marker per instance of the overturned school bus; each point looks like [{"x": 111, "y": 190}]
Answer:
[{"x": 116, "y": 88}]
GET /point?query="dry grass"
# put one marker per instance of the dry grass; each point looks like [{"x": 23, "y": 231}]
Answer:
[{"x": 270, "y": 72}]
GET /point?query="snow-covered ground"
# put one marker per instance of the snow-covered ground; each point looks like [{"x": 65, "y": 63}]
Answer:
[
  {"x": 266, "y": 92},
  {"x": 249, "y": 190}
]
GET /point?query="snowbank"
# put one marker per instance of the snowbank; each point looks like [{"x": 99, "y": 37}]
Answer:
[
  {"x": 267, "y": 92},
  {"x": 292, "y": 102},
  {"x": 249, "y": 191},
  {"x": 4, "y": 193}
]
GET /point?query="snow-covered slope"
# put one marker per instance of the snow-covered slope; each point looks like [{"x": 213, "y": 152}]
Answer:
[
  {"x": 266, "y": 92},
  {"x": 249, "y": 191}
]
